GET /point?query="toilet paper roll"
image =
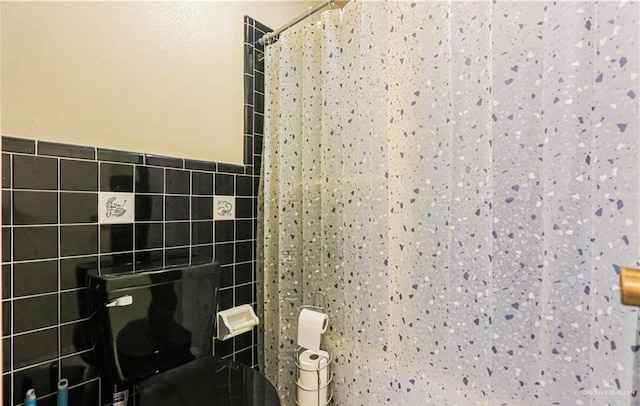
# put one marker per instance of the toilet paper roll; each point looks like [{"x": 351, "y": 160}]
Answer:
[
  {"x": 313, "y": 377},
  {"x": 311, "y": 326}
]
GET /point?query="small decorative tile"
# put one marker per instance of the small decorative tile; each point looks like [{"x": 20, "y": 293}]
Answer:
[
  {"x": 114, "y": 208},
  {"x": 224, "y": 208}
]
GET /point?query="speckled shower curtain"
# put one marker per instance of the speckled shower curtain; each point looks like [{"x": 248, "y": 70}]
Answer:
[{"x": 461, "y": 181}]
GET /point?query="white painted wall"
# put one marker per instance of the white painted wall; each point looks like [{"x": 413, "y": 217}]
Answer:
[{"x": 157, "y": 77}]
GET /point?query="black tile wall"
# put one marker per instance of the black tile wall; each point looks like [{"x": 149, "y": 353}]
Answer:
[
  {"x": 11, "y": 144},
  {"x": 224, "y": 184},
  {"x": 119, "y": 156},
  {"x": 35, "y": 207},
  {"x": 149, "y": 207},
  {"x": 51, "y": 237},
  {"x": 64, "y": 150},
  {"x": 34, "y": 172},
  {"x": 176, "y": 208},
  {"x": 78, "y": 207},
  {"x": 31, "y": 313},
  {"x": 116, "y": 178},
  {"x": 201, "y": 208},
  {"x": 177, "y": 182},
  {"x": 35, "y": 242},
  {"x": 78, "y": 175},
  {"x": 32, "y": 278},
  {"x": 149, "y": 180}
]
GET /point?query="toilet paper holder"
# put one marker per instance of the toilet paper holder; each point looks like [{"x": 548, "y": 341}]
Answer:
[
  {"x": 235, "y": 321},
  {"x": 322, "y": 387},
  {"x": 319, "y": 304}
]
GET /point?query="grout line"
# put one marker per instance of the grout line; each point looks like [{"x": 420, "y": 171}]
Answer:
[
  {"x": 98, "y": 243},
  {"x": 191, "y": 189},
  {"x": 53, "y": 190},
  {"x": 37, "y": 330},
  {"x": 16, "y": 298},
  {"x": 164, "y": 220},
  {"x": 75, "y": 354}
]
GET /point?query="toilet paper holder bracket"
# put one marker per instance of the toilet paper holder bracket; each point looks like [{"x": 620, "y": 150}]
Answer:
[{"x": 317, "y": 304}]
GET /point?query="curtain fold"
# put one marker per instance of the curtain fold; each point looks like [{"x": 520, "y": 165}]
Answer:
[{"x": 460, "y": 180}]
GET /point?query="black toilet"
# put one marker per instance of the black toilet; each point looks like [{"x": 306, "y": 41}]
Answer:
[{"x": 155, "y": 334}]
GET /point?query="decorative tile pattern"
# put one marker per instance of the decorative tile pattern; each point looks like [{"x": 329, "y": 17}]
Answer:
[
  {"x": 461, "y": 180},
  {"x": 116, "y": 208},
  {"x": 224, "y": 208}
]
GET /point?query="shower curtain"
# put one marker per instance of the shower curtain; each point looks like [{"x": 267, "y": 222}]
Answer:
[{"x": 461, "y": 181}]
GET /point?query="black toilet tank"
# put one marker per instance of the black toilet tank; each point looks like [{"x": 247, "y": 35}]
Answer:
[{"x": 151, "y": 322}]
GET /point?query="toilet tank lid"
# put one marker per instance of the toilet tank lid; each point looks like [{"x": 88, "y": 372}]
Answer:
[{"x": 113, "y": 279}]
